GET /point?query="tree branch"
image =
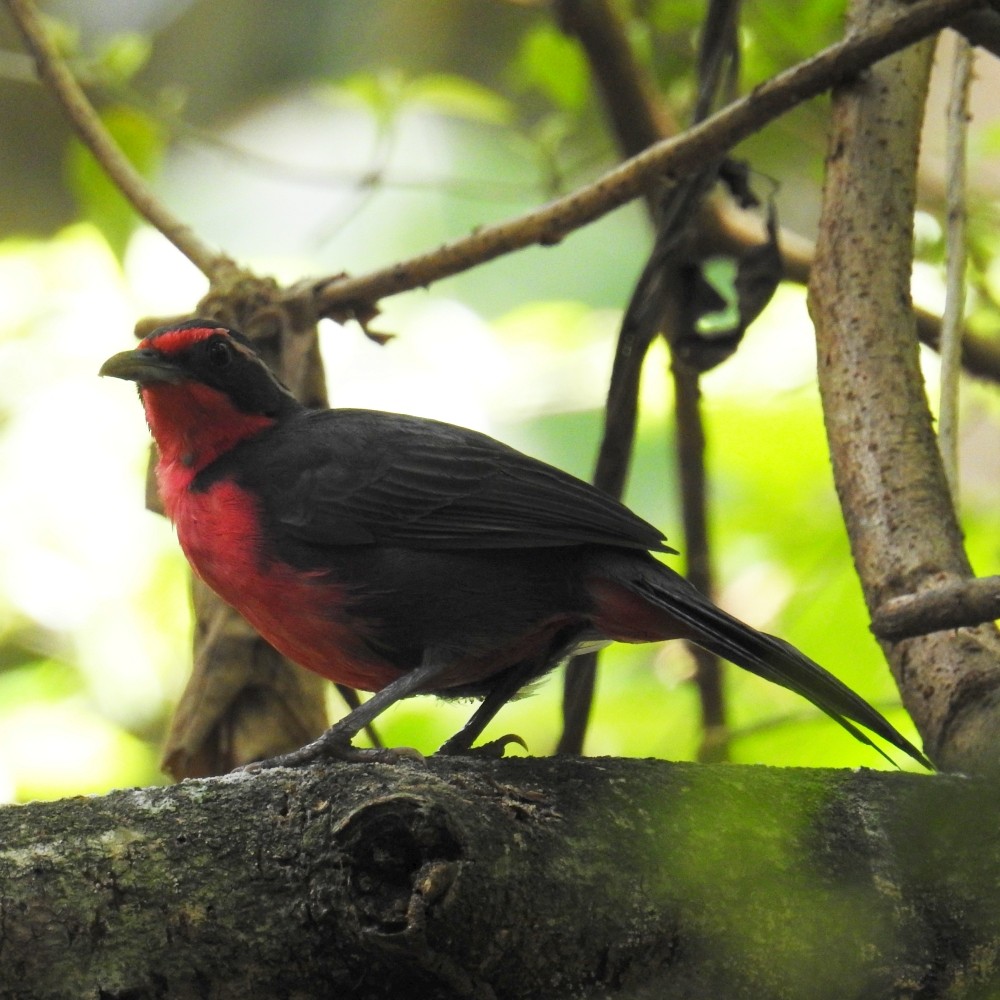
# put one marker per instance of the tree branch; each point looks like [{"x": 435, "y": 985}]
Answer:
[
  {"x": 904, "y": 532},
  {"x": 341, "y": 296},
  {"x": 639, "y": 119},
  {"x": 633, "y": 104},
  {"x": 690, "y": 460},
  {"x": 347, "y": 296},
  {"x": 952, "y": 321},
  {"x": 949, "y": 605},
  {"x": 522, "y": 879},
  {"x": 52, "y": 69}
]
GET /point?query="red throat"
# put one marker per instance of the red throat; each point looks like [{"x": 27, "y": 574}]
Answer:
[{"x": 193, "y": 424}]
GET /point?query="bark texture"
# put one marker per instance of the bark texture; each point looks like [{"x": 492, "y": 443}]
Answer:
[
  {"x": 518, "y": 879},
  {"x": 904, "y": 532}
]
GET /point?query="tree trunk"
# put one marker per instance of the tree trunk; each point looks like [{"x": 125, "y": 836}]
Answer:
[
  {"x": 905, "y": 535},
  {"x": 520, "y": 878}
]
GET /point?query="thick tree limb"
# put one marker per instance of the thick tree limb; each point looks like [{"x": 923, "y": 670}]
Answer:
[
  {"x": 517, "y": 879},
  {"x": 904, "y": 533}
]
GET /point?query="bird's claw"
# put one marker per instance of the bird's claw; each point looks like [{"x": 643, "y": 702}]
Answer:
[
  {"x": 335, "y": 750},
  {"x": 494, "y": 750}
]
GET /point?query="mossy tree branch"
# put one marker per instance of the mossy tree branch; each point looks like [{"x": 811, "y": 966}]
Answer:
[{"x": 518, "y": 879}]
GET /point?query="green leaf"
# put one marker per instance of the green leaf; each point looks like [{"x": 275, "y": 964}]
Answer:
[
  {"x": 459, "y": 97},
  {"x": 96, "y": 195},
  {"x": 552, "y": 64},
  {"x": 388, "y": 92},
  {"x": 382, "y": 92},
  {"x": 121, "y": 58},
  {"x": 63, "y": 36},
  {"x": 720, "y": 273}
]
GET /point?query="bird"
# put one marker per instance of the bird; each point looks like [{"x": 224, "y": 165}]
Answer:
[{"x": 401, "y": 555}]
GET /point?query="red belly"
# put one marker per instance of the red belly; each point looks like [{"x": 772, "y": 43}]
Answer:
[{"x": 300, "y": 614}]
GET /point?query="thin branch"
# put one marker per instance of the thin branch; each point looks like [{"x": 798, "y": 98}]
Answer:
[
  {"x": 579, "y": 685},
  {"x": 980, "y": 354},
  {"x": 621, "y": 412},
  {"x": 52, "y": 69},
  {"x": 345, "y": 295},
  {"x": 639, "y": 119},
  {"x": 718, "y": 68},
  {"x": 954, "y": 306},
  {"x": 957, "y": 604},
  {"x": 340, "y": 296},
  {"x": 735, "y": 230},
  {"x": 697, "y": 559}
]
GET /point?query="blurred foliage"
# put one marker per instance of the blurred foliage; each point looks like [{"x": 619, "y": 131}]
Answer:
[
  {"x": 98, "y": 198},
  {"x": 388, "y": 93},
  {"x": 322, "y": 137},
  {"x": 551, "y": 65}
]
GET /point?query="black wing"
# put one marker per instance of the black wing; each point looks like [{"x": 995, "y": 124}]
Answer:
[{"x": 362, "y": 477}]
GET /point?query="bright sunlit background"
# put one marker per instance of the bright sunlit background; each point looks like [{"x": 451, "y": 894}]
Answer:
[{"x": 305, "y": 145}]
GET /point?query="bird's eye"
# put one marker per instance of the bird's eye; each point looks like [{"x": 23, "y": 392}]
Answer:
[{"x": 220, "y": 354}]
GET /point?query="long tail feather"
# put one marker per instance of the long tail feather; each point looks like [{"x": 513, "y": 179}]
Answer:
[{"x": 775, "y": 660}]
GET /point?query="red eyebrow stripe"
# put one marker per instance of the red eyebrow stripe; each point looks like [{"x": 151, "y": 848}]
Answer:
[{"x": 175, "y": 341}]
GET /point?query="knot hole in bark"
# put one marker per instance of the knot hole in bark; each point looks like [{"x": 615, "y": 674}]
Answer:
[{"x": 402, "y": 857}]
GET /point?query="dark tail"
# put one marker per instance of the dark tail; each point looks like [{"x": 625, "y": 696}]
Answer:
[{"x": 770, "y": 658}]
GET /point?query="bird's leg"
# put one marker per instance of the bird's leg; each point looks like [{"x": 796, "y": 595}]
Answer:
[
  {"x": 352, "y": 701},
  {"x": 335, "y": 743},
  {"x": 508, "y": 686},
  {"x": 562, "y": 644}
]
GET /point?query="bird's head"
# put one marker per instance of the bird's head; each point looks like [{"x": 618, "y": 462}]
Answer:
[{"x": 204, "y": 389}]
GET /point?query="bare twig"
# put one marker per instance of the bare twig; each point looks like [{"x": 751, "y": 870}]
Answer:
[
  {"x": 577, "y": 700},
  {"x": 718, "y": 68},
  {"x": 52, "y": 69},
  {"x": 954, "y": 306},
  {"x": 345, "y": 295},
  {"x": 980, "y": 354},
  {"x": 639, "y": 119},
  {"x": 621, "y": 413},
  {"x": 698, "y": 564},
  {"x": 955, "y": 604},
  {"x": 340, "y": 296}
]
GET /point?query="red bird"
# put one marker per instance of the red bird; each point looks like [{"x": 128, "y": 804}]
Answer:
[{"x": 404, "y": 556}]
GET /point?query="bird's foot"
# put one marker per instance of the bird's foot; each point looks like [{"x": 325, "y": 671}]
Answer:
[
  {"x": 335, "y": 749},
  {"x": 494, "y": 750}
]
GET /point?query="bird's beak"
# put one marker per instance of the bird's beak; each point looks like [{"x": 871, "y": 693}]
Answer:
[{"x": 143, "y": 366}]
